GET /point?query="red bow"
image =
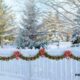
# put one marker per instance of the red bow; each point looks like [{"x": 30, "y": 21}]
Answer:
[
  {"x": 17, "y": 54},
  {"x": 68, "y": 54},
  {"x": 42, "y": 52}
]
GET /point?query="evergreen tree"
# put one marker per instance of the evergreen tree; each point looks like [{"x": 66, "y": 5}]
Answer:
[
  {"x": 5, "y": 22},
  {"x": 27, "y": 35},
  {"x": 76, "y": 32}
]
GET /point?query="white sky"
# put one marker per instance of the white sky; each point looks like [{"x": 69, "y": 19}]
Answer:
[{"x": 18, "y": 6}]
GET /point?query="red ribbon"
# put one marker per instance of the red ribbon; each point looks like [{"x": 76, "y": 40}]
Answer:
[
  {"x": 68, "y": 54},
  {"x": 42, "y": 52},
  {"x": 17, "y": 54}
]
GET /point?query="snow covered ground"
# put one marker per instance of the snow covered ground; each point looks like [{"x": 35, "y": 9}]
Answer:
[{"x": 42, "y": 68}]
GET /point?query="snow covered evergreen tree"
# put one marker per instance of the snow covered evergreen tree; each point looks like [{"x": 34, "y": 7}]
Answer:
[
  {"x": 76, "y": 33},
  {"x": 6, "y": 24},
  {"x": 27, "y": 35}
]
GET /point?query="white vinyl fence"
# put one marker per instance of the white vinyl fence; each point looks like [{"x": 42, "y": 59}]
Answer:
[{"x": 40, "y": 69}]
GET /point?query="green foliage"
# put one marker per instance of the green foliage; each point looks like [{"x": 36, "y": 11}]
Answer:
[{"x": 77, "y": 40}]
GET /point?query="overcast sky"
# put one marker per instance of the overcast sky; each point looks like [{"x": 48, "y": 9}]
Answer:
[{"x": 18, "y": 6}]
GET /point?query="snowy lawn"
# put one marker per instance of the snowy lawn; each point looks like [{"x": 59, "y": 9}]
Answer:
[{"x": 52, "y": 49}]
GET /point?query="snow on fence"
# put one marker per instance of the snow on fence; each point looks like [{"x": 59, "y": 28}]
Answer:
[{"x": 42, "y": 68}]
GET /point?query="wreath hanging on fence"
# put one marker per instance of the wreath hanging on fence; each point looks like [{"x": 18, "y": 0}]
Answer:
[{"x": 42, "y": 53}]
